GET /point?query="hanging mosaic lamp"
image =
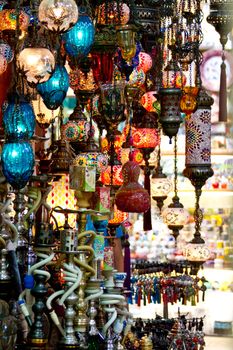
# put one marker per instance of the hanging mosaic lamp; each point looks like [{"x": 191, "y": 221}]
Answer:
[
  {"x": 18, "y": 119},
  {"x": 112, "y": 13},
  {"x": 145, "y": 62},
  {"x": 160, "y": 184},
  {"x": 175, "y": 216},
  {"x": 6, "y": 51},
  {"x": 91, "y": 156},
  {"x": 170, "y": 95},
  {"x": 149, "y": 101},
  {"x": 53, "y": 91},
  {"x": 58, "y": 15},
  {"x": 118, "y": 217},
  {"x": 36, "y": 63},
  {"x": 198, "y": 142},
  {"x": 17, "y": 163},
  {"x": 112, "y": 175},
  {"x": 8, "y": 20},
  {"x": 3, "y": 64},
  {"x": 78, "y": 40}
]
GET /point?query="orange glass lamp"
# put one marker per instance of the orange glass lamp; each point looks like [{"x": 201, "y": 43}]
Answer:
[
  {"x": 8, "y": 20},
  {"x": 112, "y": 175},
  {"x": 112, "y": 13},
  {"x": 61, "y": 195},
  {"x": 118, "y": 217},
  {"x": 149, "y": 100},
  {"x": 146, "y": 137},
  {"x": 188, "y": 102}
]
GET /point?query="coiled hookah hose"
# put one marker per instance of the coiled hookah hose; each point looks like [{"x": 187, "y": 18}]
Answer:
[
  {"x": 108, "y": 301},
  {"x": 71, "y": 274},
  {"x": 86, "y": 236},
  {"x": 34, "y": 270}
]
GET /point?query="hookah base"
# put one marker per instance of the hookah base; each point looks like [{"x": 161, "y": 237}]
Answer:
[
  {"x": 33, "y": 347},
  {"x": 67, "y": 347}
]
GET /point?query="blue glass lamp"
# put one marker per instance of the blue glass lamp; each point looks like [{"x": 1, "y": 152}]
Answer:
[
  {"x": 18, "y": 119},
  {"x": 78, "y": 40},
  {"x": 54, "y": 90},
  {"x": 17, "y": 163}
]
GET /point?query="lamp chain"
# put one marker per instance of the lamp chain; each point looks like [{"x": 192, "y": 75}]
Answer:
[
  {"x": 198, "y": 53},
  {"x": 198, "y": 214},
  {"x": 175, "y": 166}
]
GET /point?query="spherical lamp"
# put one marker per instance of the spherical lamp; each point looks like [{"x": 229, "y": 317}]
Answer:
[
  {"x": 58, "y": 15},
  {"x": 78, "y": 40},
  {"x": 18, "y": 119},
  {"x": 54, "y": 90},
  {"x": 36, "y": 63},
  {"x": 175, "y": 216},
  {"x": 17, "y": 163}
]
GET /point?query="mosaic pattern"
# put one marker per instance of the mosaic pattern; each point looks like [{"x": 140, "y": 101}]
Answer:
[
  {"x": 117, "y": 179},
  {"x": 198, "y": 138},
  {"x": 97, "y": 159},
  {"x": 62, "y": 196}
]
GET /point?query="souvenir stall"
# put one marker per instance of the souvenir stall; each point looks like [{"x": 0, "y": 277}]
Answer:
[{"x": 105, "y": 126}]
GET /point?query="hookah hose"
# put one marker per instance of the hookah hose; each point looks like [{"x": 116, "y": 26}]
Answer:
[
  {"x": 87, "y": 248},
  {"x": 71, "y": 274},
  {"x": 110, "y": 299},
  {"x": 11, "y": 244},
  {"x": 35, "y": 194},
  {"x": 29, "y": 282}
]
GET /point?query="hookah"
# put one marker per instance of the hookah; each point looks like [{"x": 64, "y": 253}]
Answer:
[
  {"x": 37, "y": 276},
  {"x": 83, "y": 260},
  {"x": 8, "y": 239},
  {"x": 72, "y": 276},
  {"x": 113, "y": 303}
]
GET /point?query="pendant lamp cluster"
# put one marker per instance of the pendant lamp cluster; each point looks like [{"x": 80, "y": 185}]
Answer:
[{"x": 121, "y": 80}]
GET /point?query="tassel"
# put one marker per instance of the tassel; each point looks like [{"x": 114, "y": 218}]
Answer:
[
  {"x": 147, "y": 226},
  {"x": 223, "y": 93},
  {"x": 127, "y": 263}
]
